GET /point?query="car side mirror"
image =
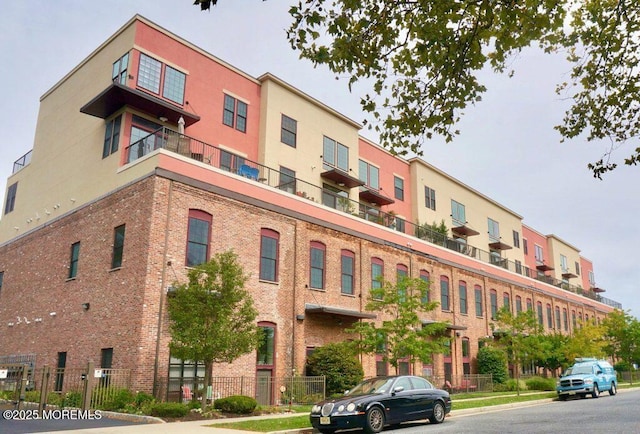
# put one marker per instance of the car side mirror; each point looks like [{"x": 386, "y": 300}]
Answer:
[
  {"x": 398, "y": 389},
  {"x": 599, "y": 372}
]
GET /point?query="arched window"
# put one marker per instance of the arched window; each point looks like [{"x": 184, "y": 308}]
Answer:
[
  {"x": 347, "y": 271},
  {"x": 493, "y": 299},
  {"x": 444, "y": 293},
  {"x": 462, "y": 293},
  {"x": 377, "y": 274},
  {"x": 424, "y": 275}
]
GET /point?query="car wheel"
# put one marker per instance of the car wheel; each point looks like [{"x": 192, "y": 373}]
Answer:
[
  {"x": 596, "y": 391},
  {"x": 438, "y": 413},
  {"x": 375, "y": 420},
  {"x": 613, "y": 389}
]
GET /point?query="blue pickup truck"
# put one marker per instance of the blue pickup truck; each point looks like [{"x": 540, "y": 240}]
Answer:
[{"x": 587, "y": 377}]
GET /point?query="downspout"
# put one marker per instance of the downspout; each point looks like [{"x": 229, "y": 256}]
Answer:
[
  {"x": 162, "y": 290},
  {"x": 293, "y": 304}
]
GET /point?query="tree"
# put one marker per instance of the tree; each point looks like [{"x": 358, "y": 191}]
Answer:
[
  {"x": 401, "y": 335},
  {"x": 422, "y": 60},
  {"x": 493, "y": 360},
  {"x": 338, "y": 363},
  {"x": 212, "y": 317},
  {"x": 622, "y": 333},
  {"x": 519, "y": 336},
  {"x": 586, "y": 341}
]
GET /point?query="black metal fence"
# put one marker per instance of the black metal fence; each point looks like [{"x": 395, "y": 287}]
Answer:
[
  {"x": 266, "y": 390},
  {"x": 464, "y": 383}
]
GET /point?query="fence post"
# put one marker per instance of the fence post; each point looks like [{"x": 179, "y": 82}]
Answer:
[
  {"x": 44, "y": 389},
  {"x": 20, "y": 385},
  {"x": 88, "y": 386}
]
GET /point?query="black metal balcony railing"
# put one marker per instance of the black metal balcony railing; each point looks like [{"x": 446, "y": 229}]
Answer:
[
  {"x": 21, "y": 162},
  {"x": 225, "y": 160}
]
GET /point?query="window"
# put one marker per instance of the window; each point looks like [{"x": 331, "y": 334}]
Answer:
[
  {"x": 478, "y": 296},
  {"x": 287, "y": 181},
  {"x": 335, "y": 198},
  {"x": 518, "y": 266},
  {"x": 317, "y": 264},
  {"x": 400, "y": 224},
  {"x": 540, "y": 315},
  {"x": 429, "y": 198},
  {"x": 377, "y": 273},
  {"x": 424, "y": 275},
  {"x": 516, "y": 239},
  {"x": 335, "y": 155},
  {"x": 369, "y": 174},
  {"x": 538, "y": 253},
  {"x": 525, "y": 246},
  {"x": 288, "y": 131},
  {"x": 266, "y": 347},
  {"x": 173, "y": 88},
  {"x": 465, "y": 347},
  {"x": 398, "y": 188},
  {"x": 150, "y": 78},
  {"x": 577, "y": 268},
  {"x": 458, "y": 214},
  {"x": 11, "y": 198},
  {"x": 565, "y": 320},
  {"x": 518, "y": 304},
  {"x": 235, "y": 113},
  {"x": 230, "y": 162},
  {"x": 494, "y": 229},
  {"x": 592, "y": 278},
  {"x": 198, "y": 237},
  {"x": 444, "y": 292},
  {"x": 574, "y": 321},
  {"x": 269, "y": 251},
  {"x": 118, "y": 247},
  {"x": 506, "y": 301},
  {"x": 119, "y": 70},
  {"x": 402, "y": 271},
  {"x": 563, "y": 263},
  {"x": 462, "y": 289},
  {"x": 142, "y": 141},
  {"x": 149, "y": 73},
  {"x": 529, "y": 304},
  {"x": 557, "y": 318},
  {"x": 493, "y": 299},
  {"x": 549, "y": 317},
  {"x": 73, "y": 263},
  {"x": 111, "y": 136},
  {"x": 347, "y": 265}
]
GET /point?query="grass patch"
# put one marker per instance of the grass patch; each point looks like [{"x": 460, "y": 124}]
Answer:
[
  {"x": 266, "y": 425},
  {"x": 464, "y": 404}
]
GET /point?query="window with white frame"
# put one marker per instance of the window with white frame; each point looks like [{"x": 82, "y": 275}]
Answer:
[
  {"x": 494, "y": 229},
  {"x": 335, "y": 155},
  {"x": 369, "y": 174},
  {"x": 458, "y": 214}
]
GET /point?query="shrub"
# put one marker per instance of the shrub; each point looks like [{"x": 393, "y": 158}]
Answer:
[
  {"x": 168, "y": 409},
  {"x": 115, "y": 398},
  {"x": 72, "y": 399},
  {"x": 143, "y": 398},
  {"x": 236, "y": 404},
  {"x": 338, "y": 364},
  {"x": 32, "y": 396},
  {"x": 492, "y": 360},
  {"x": 539, "y": 383},
  {"x": 54, "y": 398}
]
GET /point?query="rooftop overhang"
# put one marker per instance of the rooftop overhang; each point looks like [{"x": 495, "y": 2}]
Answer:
[
  {"x": 568, "y": 275},
  {"x": 374, "y": 197},
  {"x": 341, "y": 178},
  {"x": 499, "y": 245},
  {"x": 543, "y": 267},
  {"x": 116, "y": 96},
  {"x": 447, "y": 325},
  {"x": 322, "y": 309},
  {"x": 464, "y": 231},
  {"x": 596, "y": 289}
]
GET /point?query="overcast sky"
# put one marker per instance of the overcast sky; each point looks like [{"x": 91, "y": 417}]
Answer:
[{"x": 508, "y": 148}]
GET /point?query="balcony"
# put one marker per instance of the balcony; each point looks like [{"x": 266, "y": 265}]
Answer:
[
  {"x": 22, "y": 162},
  {"x": 197, "y": 150},
  {"x": 341, "y": 178},
  {"x": 374, "y": 197}
]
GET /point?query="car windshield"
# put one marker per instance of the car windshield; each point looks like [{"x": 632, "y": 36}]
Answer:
[
  {"x": 576, "y": 370},
  {"x": 375, "y": 385}
]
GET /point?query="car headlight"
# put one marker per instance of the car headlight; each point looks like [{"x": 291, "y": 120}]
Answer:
[
  {"x": 588, "y": 381},
  {"x": 340, "y": 408},
  {"x": 351, "y": 406},
  {"x": 315, "y": 409}
]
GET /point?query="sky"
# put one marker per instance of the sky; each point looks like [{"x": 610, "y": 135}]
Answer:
[{"x": 508, "y": 149}]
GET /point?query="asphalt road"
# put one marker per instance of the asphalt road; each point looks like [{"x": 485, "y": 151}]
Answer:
[
  {"x": 612, "y": 414},
  {"x": 28, "y": 421}
]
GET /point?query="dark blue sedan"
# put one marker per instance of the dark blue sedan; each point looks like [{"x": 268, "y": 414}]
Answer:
[{"x": 382, "y": 401}]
